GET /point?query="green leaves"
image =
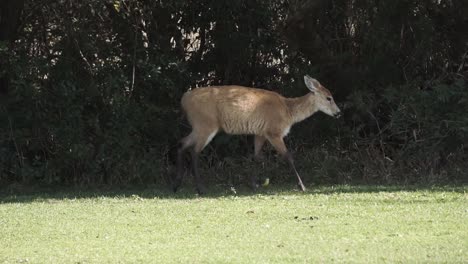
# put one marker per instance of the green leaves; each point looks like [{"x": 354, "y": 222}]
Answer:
[{"x": 104, "y": 80}]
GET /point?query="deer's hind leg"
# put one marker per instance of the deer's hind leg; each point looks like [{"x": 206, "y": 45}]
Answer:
[
  {"x": 185, "y": 143},
  {"x": 259, "y": 141},
  {"x": 203, "y": 138}
]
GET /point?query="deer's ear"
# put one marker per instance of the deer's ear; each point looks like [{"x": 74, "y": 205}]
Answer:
[{"x": 311, "y": 83}]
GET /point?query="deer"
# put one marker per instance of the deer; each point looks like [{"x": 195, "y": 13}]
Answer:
[{"x": 240, "y": 110}]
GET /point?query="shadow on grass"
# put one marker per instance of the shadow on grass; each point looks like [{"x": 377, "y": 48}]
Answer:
[{"x": 28, "y": 194}]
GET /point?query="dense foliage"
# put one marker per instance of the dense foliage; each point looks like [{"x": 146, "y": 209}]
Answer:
[{"x": 90, "y": 89}]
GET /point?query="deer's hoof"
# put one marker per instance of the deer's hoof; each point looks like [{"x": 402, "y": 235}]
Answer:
[{"x": 302, "y": 187}]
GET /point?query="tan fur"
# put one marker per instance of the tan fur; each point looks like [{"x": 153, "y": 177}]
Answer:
[{"x": 243, "y": 110}]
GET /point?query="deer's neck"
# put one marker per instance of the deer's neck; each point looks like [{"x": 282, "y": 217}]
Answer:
[{"x": 302, "y": 107}]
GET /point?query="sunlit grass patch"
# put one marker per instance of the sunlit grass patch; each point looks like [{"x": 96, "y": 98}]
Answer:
[{"x": 335, "y": 223}]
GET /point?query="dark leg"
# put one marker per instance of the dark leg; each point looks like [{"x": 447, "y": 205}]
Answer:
[
  {"x": 185, "y": 143},
  {"x": 290, "y": 160},
  {"x": 201, "y": 189},
  {"x": 279, "y": 145},
  {"x": 203, "y": 138},
  {"x": 259, "y": 141},
  {"x": 180, "y": 169}
]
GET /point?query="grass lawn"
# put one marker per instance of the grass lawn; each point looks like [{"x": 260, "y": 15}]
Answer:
[{"x": 326, "y": 224}]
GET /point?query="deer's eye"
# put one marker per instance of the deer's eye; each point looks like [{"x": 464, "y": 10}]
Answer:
[{"x": 329, "y": 99}]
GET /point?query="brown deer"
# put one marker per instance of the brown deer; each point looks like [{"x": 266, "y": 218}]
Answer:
[{"x": 242, "y": 110}]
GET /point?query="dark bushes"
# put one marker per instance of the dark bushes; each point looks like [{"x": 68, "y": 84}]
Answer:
[{"x": 90, "y": 92}]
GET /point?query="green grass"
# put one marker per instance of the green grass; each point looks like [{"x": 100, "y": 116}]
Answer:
[{"x": 326, "y": 224}]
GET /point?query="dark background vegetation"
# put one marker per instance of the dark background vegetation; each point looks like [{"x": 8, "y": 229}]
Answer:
[{"x": 90, "y": 90}]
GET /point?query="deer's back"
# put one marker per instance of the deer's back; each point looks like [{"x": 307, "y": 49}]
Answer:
[{"x": 237, "y": 109}]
